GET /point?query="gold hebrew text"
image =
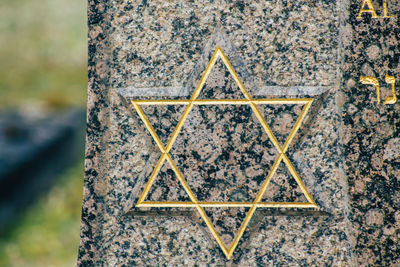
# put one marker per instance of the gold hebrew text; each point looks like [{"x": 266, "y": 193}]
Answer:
[
  {"x": 374, "y": 81},
  {"x": 391, "y": 99}
]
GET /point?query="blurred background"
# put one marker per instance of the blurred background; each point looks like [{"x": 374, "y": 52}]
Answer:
[{"x": 43, "y": 84}]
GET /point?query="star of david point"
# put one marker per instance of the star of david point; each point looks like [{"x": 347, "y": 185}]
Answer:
[{"x": 200, "y": 205}]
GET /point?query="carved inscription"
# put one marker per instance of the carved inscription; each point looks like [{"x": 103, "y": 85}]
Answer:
[
  {"x": 374, "y": 81},
  {"x": 368, "y": 8}
]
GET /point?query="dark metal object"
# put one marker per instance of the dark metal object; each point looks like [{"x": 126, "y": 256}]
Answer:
[{"x": 32, "y": 154}]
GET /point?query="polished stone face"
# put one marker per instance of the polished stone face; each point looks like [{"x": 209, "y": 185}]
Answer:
[
  {"x": 158, "y": 50},
  {"x": 159, "y": 43}
]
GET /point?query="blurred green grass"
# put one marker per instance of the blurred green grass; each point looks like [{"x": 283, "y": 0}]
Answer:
[
  {"x": 48, "y": 233},
  {"x": 43, "y": 57},
  {"x": 43, "y": 53}
]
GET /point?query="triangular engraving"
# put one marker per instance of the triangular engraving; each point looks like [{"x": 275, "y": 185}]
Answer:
[
  {"x": 167, "y": 187},
  {"x": 283, "y": 188},
  {"x": 163, "y": 118},
  {"x": 226, "y": 221},
  {"x": 220, "y": 84},
  {"x": 281, "y": 119}
]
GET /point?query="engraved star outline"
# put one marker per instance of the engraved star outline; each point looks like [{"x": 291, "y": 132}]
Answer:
[{"x": 199, "y": 205}]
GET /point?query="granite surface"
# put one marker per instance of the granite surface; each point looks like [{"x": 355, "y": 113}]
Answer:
[
  {"x": 345, "y": 143},
  {"x": 371, "y": 136}
]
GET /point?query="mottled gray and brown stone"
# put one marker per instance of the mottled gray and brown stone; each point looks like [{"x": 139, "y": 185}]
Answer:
[{"x": 346, "y": 151}]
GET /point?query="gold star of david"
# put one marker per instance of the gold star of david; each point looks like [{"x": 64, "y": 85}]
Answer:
[{"x": 199, "y": 205}]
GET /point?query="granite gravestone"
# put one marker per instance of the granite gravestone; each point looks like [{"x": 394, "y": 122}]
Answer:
[{"x": 235, "y": 133}]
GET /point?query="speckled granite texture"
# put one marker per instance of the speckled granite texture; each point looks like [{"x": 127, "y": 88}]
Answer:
[
  {"x": 372, "y": 135},
  {"x": 346, "y": 151}
]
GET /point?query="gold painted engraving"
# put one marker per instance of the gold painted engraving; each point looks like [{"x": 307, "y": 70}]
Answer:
[
  {"x": 391, "y": 99},
  {"x": 200, "y": 205},
  {"x": 372, "y": 11},
  {"x": 374, "y": 81},
  {"x": 385, "y": 15}
]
